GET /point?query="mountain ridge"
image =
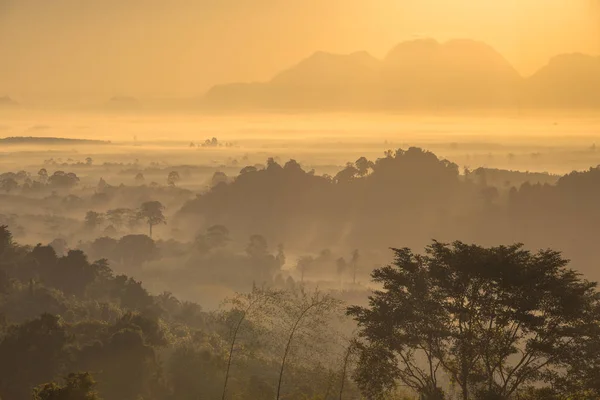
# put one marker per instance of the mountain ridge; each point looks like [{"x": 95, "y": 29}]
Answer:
[{"x": 421, "y": 73}]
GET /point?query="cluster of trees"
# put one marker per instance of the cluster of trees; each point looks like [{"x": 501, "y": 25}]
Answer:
[
  {"x": 10, "y": 181},
  {"x": 406, "y": 196},
  {"x": 214, "y": 142},
  {"x": 479, "y": 323},
  {"x": 458, "y": 321},
  {"x": 151, "y": 212},
  {"x": 72, "y": 329}
]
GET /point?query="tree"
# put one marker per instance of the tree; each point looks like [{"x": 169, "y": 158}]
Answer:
[
  {"x": 173, "y": 178},
  {"x": 258, "y": 247},
  {"x": 218, "y": 177},
  {"x": 136, "y": 249},
  {"x": 303, "y": 312},
  {"x": 246, "y": 308},
  {"x": 78, "y": 386},
  {"x": 93, "y": 219},
  {"x": 495, "y": 320},
  {"x": 347, "y": 174},
  {"x": 31, "y": 353},
  {"x": 152, "y": 212},
  {"x": 102, "y": 185},
  {"x": 8, "y": 184},
  {"x": 280, "y": 257},
  {"x": 248, "y": 169},
  {"x": 363, "y": 166},
  {"x": 89, "y": 161},
  {"x": 120, "y": 216},
  {"x": 62, "y": 180},
  {"x": 303, "y": 265},
  {"x": 354, "y": 261},
  {"x": 139, "y": 178},
  {"x": 346, "y": 361},
  {"x": 6, "y": 239},
  {"x": 43, "y": 175}
]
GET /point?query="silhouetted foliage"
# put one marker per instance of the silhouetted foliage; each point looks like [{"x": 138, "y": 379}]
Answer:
[{"x": 493, "y": 320}]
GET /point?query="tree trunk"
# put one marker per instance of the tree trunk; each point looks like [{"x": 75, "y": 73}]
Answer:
[
  {"x": 237, "y": 328},
  {"x": 287, "y": 348},
  {"x": 345, "y": 369}
]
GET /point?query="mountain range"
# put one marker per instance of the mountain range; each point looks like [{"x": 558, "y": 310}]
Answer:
[{"x": 418, "y": 74}]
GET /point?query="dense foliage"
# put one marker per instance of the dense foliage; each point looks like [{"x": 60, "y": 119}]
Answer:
[{"x": 485, "y": 323}]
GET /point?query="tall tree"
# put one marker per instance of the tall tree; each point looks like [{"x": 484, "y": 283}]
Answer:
[
  {"x": 302, "y": 312},
  {"x": 152, "y": 212},
  {"x": 173, "y": 178},
  {"x": 494, "y": 320},
  {"x": 355, "y": 258},
  {"x": 246, "y": 310},
  {"x": 93, "y": 219}
]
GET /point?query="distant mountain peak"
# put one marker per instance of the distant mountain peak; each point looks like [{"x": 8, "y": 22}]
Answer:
[{"x": 419, "y": 73}]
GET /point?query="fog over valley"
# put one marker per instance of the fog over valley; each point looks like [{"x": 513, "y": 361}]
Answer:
[{"x": 299, "y": 200}]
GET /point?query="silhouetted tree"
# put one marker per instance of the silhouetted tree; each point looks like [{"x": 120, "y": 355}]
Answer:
[
  {"x": 347, "y": 174},
  {"x": 173, "y": 178},
  {"x": 152, "y": 212},
  {"x": 363, "y": 166},
  {"x": 136, "y": 249},
  {"x": 93, "y": 220},
  {"x": 303, "y": 312},
  {"x": 8, "y": 184},
  {"x": 354, "y": 261},
  {"x": 303, "y": 265},
  {"x": 245, "y": 308},
  {"x": 341, "y": 268},
  {"x": 119, "y": 217},
  {"x": 63, "y": 180},
  {"x": 43, "y": 175},
  {"x": 218, "y": 177},
  {"x": 495, "y": 320},
  {"x": 139, "y": 178}
]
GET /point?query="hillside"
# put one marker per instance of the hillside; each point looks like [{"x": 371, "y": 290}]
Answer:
[{"x": 567, "y": 80}]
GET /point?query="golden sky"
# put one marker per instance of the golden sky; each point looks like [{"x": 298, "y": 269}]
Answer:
[{"x": 172, "y": 48}]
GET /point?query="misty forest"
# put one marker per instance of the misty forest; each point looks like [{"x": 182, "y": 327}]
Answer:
[{"x": 420, "y": 225}]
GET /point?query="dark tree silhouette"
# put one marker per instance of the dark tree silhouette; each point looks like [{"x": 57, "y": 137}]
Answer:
[
  {"x": 8, "y": 184},
  {"x": 152, "y": 212},
  {"x": 495, "y": 320},
  {"x": 93, "y": 220},
  {"x": 173, "y": 178},
  {"x": 136, "y": 249},
  {"x": 63, "y": 180},
  {"x": 139, "y": 178}
]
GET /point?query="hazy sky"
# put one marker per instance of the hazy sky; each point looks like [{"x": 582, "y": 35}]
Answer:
[{"x": 95, "y": 48}]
